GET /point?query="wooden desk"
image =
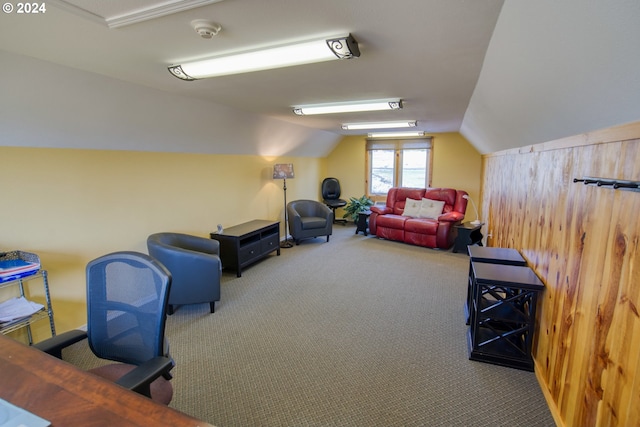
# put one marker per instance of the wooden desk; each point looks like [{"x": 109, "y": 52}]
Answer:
[{"x": 67, "y": 396}]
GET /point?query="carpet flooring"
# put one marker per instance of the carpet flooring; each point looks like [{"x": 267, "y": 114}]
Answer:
[{"x": 358, "y": 331}]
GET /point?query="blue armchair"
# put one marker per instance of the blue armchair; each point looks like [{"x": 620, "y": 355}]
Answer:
[
  {"x": 195, "y": 266},
  {"x": 308, "y": 219}
]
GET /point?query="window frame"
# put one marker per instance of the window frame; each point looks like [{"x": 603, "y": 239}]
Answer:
[{"x": 398, "y": 145}]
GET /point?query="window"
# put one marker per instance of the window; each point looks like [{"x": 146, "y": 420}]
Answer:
[{"x": 397, "y": 163}]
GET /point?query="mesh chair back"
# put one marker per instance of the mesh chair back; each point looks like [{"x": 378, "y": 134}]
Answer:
[
  {"x": 330, "y": 189},
  {"x": 127, "y": 296}
]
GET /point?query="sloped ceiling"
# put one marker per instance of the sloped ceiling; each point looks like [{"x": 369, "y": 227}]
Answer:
[
  {"x": 555, "y": 69},
  {"x": 549, "y": 69}
]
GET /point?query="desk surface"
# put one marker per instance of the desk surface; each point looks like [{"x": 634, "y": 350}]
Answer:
[{"x": 67, "y": 396}]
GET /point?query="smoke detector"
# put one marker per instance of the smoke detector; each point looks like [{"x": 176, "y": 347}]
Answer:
[{"x": 206, "y": 29}]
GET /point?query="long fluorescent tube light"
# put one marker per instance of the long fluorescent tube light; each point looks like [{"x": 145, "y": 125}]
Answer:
[
  {"x": 379, "y": 125},
  {"x": 407, "y": 134},
  {"x": 348, "y": 107},
  {"x": 342, "y": 47}
]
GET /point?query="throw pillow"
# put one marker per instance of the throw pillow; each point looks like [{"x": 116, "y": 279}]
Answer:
[
  {"x": 412, "y": 207},
  {"x": 430, "y": 208}
]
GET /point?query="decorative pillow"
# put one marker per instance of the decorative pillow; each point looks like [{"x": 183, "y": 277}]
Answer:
[
  {"x": 412, "y": 208},
  {"x": 430, "y": 208}
]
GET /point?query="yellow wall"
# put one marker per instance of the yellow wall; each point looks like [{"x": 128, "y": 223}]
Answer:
[
  {"x": 70, "y": 206},
  {"x": 347, "y": 163},
  {"x": 456, "y": 164}
]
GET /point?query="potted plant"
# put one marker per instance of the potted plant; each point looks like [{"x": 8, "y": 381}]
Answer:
[{"x": 355, "y": 206}]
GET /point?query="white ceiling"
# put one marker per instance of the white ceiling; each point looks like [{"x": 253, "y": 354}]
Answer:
[
  {"x": 504, "y": 74},
  {"x": 427, "y": 52}
]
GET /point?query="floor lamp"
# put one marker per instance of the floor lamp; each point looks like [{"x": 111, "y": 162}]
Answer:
[{"x": 284, "y": 171}]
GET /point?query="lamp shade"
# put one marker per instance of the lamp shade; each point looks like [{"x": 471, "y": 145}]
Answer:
[{"x": 283, "y": 171}]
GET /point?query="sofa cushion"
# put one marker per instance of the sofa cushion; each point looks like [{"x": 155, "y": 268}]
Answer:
[
  {"x": 397, "y": 196},
  {"x": 447, "y": 195},
  {"x": 392, "y": 221},
  {"x": 412, "y": 207},
  {"x": 430, "y": 208},
  {"x": 421, "y": 225}
]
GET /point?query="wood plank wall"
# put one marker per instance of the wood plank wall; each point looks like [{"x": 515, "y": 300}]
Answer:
[{"x": 583, "y": 242}]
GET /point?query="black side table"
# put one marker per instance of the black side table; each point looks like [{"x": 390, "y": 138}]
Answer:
[
  {"x": 362, "y": 224},
  {"x": 468, "y": 234},
  {"x": 490, "y": 255},
  {"x": 503, "y": 314}
]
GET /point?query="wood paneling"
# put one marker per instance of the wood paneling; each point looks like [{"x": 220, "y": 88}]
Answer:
[{"x": 583, "y": 242}]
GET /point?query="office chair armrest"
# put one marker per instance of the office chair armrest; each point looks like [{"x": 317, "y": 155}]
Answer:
[
  {"x": 140, "y": 378},
  {"x": 54, "y": 345}
]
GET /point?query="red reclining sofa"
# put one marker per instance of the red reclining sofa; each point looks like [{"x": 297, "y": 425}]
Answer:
[{"x": 388, "y": 222}]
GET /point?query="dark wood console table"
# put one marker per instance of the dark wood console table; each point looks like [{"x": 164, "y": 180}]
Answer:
[{"x": 246, "y": 243}]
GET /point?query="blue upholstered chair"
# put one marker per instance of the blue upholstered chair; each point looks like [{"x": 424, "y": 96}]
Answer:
[
  {"x": 309, "y": 219},
  {"x": 195, "y": 266}
]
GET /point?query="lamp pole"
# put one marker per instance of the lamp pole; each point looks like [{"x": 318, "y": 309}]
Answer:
[{"x": 286, "y": 243}]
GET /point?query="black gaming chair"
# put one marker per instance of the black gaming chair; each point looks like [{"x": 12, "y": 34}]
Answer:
[
  {"x": 127, "y": 295},
  {"x": 331, "y": 197}
]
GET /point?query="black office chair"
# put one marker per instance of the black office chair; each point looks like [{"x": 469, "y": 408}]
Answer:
[
  {"x": 127, "y": 295},
  {"x": 331, "y": 197}
]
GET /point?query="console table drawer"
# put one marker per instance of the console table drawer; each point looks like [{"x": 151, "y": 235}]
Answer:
[
  {"x": 249, "y": 252},
  {"x": 270, "y": 243}
]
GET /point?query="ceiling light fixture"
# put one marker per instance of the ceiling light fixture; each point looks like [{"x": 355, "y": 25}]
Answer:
[
  {"x": 408, "y": 134},
  {"x": 348, "y": 107},
  {"x": 380, "y": 125},
  {"x": 342, "y": 47}
]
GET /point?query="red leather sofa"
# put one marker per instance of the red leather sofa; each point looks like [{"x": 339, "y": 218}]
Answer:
[{"x": 388, "y": 222}]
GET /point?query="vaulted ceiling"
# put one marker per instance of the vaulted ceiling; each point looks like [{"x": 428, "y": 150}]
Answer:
[{"x": 504, "y": 75}]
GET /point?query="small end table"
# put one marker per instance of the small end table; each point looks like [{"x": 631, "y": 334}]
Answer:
[
  {"x": 363, "y": 222},
  {"x": 490, "y": 255},
  {"x": 468, "y": 234},
  {"x": 503, "y": 314}
]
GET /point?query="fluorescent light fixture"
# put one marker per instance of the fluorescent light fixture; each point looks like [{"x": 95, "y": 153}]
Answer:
[
  {"x": 379, "y": 125},
  {"x": 408, "y": 134},
  {"x": 348, "y": 107},
  {"x": 342, "y": 47}
]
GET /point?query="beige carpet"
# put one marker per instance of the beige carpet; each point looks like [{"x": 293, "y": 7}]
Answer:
[{"x": 354, "y": 332}]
